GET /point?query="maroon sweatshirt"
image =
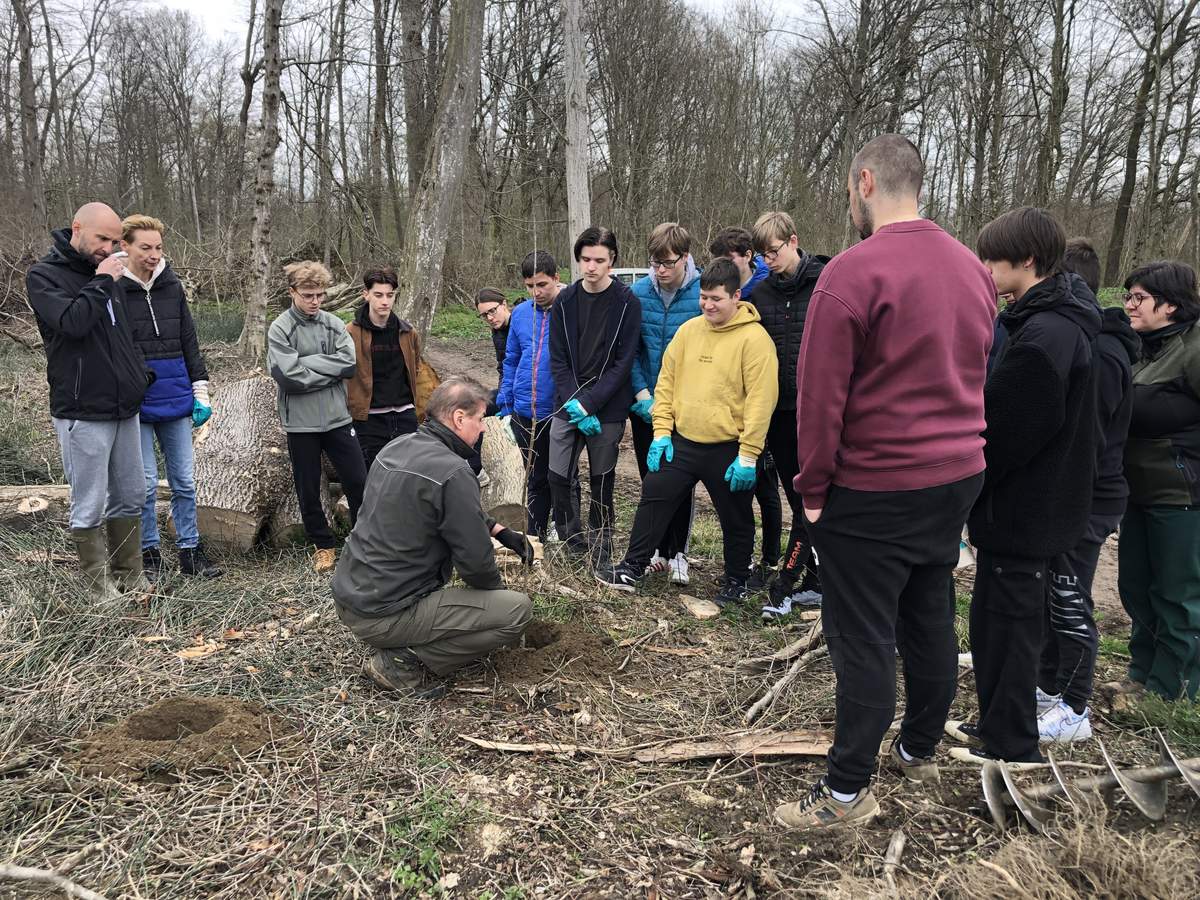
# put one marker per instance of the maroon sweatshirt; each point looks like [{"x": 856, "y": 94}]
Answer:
[{"x": 889, "y": 387}]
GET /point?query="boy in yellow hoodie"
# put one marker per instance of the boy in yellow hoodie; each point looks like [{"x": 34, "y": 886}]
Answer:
[{"x": 712, "y": 405}]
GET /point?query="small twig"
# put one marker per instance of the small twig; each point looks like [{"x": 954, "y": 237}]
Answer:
[
  {"x": 45, "y": 876},
  {"x": 892, "y": 859},
  {"x": 777, "y": 688}
]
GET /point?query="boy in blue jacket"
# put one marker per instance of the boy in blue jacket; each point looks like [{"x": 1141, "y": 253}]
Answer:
[{"x": 594, "y": 328}]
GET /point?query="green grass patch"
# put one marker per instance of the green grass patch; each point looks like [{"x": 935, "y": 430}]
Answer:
[
  {"x": 455, "y": 322},
  {"x": 219, "y": 321},
  {"x": 417, "y": 837},
  {"x": 1114, "y": 646},
  {"x": 1179, "y": 721},
  {"x": 1111, "y": 296}
]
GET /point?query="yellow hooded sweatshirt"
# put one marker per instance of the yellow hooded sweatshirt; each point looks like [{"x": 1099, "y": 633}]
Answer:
[{"x": 719, "y": 384}]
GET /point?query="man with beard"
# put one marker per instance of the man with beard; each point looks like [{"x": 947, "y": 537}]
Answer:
[{"x": 890, "y": 411}]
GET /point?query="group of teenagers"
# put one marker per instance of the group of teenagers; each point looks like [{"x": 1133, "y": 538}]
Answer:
[{"x": 882, "y": 387}]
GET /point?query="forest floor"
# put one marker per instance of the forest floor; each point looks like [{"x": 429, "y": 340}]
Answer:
[{"x": 220, "y": 741}]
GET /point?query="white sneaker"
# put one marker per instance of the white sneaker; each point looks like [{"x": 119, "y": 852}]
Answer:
[
  {"x": 1046, "y": 702},
  {"x": 679, "y": 569},
  {"x": 1062, "y": 725},
  {"x": 658, "y": 565}
]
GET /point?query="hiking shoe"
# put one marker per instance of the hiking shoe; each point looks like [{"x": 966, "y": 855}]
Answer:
[
  {"x": 619, "y": 578},
  {"x": 820, "y": 809},
  {"x": 657, "y": 565},
  {"x": 732, "y": 590},
  {"x": 1062, "y": 725},
  {"x": 324, "y": 560},
  {"x": 760, "y": 576},
  {"x": 1046, "y": 702},
  {"x": 918, "y": 768},
  {"x": 398, "y": 669},
  {"x": 963, "y": 732},
  {"x": 192, "y": 561},
  {"x": 980, "y": 755},
  {"x": 678, "y": 565},
  {"x": 152, "y": 563}
]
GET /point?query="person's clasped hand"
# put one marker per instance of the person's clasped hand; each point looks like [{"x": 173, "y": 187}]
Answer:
[
  {"x": 588, "y": 425},
  {"x": 644, "y": 408},
  {"x": 575, "y": 411},
  {"x": 518, "y": 543},
  {"x": 740, "y": 474},
  {"x": 659, "y": 448}
]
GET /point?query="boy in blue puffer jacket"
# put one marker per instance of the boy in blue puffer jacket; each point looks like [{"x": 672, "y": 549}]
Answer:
[
  {"x": 176, "y": 402},
  {"x": 526, "y": 392},
  {"x": 669, "y": 296}
]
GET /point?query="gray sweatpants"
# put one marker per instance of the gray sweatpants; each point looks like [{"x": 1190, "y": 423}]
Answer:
[
  {"x": 447, "y": 629},
  {"x": 103, "y": 464}
]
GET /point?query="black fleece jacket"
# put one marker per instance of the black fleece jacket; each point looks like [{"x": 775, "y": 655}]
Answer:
[
  {"x": 1041, "y": 434},
  {"x": 782, "y": 301},
  {"x": 1117, "y": 348},
  {"x": 95, "y": 370}
]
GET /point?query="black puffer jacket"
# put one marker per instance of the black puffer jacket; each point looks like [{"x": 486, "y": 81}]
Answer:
[
  {"x": 783, "y": 304},
  {"x": 1041, "y": 434},
  {"x": 95, "y": 370},
  {"x": 164, "y": 331},
  {"x": 420, "y": 517},
  {"x": 1117, "y": 346}
]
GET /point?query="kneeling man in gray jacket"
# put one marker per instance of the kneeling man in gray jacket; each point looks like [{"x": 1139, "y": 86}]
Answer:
[{"x": 421, "y": 517}]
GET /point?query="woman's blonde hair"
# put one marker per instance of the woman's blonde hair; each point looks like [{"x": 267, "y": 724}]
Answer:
[
  {"x": 130, "y": 225},
  {"x": 307, "y": 274}
]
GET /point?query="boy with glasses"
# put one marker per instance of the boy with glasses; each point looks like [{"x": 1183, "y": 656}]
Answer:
[
  {"x": 782, "y": 300},
  {"x": 311, "y": 356},
  {"x": 669, "y": 296}
]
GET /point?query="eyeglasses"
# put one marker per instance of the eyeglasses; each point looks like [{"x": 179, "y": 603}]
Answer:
[
  {"x": 310, "y": 296},
  {"x": 774, "y": 251},
  {"x": 664, "y": 263},
  {"x": 490, "y": 311},
  {"x": 1131, "y": 299}
]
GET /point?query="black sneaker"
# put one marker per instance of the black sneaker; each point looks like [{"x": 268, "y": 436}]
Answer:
[
  {"x": 619, "y": 578},
  {"x": 192, "y": 561},
  {"x": 152, "y": 563},
  {"x": 980, "y": 755},
  {"x": 760, "y": 575},
  {"x": 964, "y": 732},
  {"x": 733, "y": 591}
]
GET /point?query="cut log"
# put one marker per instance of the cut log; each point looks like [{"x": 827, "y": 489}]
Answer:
[
  {"x": 286, "y": 526},
  {"x": 242, "y": 465},
  {"x": 503, "y": 495},
  {"x": 20, "y": 493}
]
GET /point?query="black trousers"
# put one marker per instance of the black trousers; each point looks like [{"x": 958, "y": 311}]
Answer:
[
  {"x": 1071, "y": 637},
  {"x": 886, "y": 564},
  {"x": 675, "y": 538},
  {"x": 343, "y": 450},
  {"x": 534, "y": 441},
  {"x": 766, "y": 492},
  {"x": 379, "y": 429},
  {"x": 1007, "y": 611},
  {"x": 662, "y": 491},
  {"x": 798, "y": 561}
]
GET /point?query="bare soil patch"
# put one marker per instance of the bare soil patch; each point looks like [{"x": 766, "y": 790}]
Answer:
[{"x": 551, "y": 647}]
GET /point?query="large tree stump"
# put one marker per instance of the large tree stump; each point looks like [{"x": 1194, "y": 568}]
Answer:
[
  {"x": 504, "y": 495},
  {"x": 242, "y": 466},
  {"x": 286, "y": 526}
]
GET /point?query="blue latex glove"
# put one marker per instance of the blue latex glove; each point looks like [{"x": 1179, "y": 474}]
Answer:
[
  {"x": 740, "y": 477},
  {"x": 658, "y": 449},
  {"x": 575, "y": 411},
  {"x": 200, "y": 413},
  {"x": 642, "y": 408},
  {"x": 589, "y": 425}
]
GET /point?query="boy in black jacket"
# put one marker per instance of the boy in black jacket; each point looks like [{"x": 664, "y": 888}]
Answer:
[
  {"x": 1040, "y": 407},
  {"x": 594, "y": 330},
  {"x": 1069, "y": 651}
]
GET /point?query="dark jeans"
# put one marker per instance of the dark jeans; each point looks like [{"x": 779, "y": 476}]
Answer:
[
  {"x": 662, "y": 491},
  {"x": 1071, "y": 638},
  {"x": 766, "y": 492},
  {"x": 1007, "y": 608},
  {"x": 536, "y": 459},
  {"x": 343, "y": 450},
  {"x": 798, "y": 561},
  {"x": 377, "y": 430},
  {"x": 886, "y": 562},
  {"x": 675, "y": 538}
]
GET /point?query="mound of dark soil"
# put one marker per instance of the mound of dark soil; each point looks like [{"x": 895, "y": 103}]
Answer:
[
  {"x": 176, "y": 735},
  {"x": 551, "y": 646}
]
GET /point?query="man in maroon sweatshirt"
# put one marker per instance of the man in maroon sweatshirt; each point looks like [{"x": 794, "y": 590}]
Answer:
[{"x": 889, "y": 413}]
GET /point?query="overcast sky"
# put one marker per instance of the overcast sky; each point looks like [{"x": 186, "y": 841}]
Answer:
[{"x": 229, "y": 16}]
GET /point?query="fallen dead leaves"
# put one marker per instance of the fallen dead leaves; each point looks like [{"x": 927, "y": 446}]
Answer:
[{"x": 204, "y": 646}]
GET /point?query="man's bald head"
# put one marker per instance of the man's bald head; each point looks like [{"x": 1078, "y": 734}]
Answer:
[
  {"x": 95, "y": 231},
  {"x": 895, "y": 163}
]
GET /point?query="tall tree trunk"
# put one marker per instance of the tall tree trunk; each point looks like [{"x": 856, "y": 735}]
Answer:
[
  {"x": 433, "y": 205},
  {"x": 579, "y": 201},
  {"x": 1050, "y": 146},
  {"x": 416, "y": 112},
  {"x": 31, "y": 146},
  {"x": 375, "y": 175},
  {"x": 253, "y": 342}
]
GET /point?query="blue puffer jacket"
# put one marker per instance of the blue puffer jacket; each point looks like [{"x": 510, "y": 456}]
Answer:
[
  {"x": 660, "y": 322},
  {"x": 761, "y": 271},
  {"x": 528, "y": 349},
  {"x": 164, "y": 331}
]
